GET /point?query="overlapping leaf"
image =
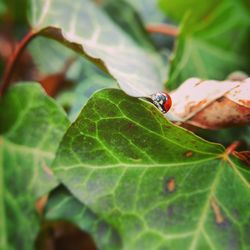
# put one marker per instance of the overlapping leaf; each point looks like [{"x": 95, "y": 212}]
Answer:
[
  {"x": 148, "y": 10},
  {"x": 158, "y": 185},
  {"x": 123, "y": 14},
  {"x": 62, "y": 205},
  {"x": 85, "y": 28},
  {"x": 31, "y": 128},
  {"x": 211, "y": 47}
]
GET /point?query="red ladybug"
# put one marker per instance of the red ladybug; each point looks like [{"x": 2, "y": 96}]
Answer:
[{"x": 162, "y": 101}]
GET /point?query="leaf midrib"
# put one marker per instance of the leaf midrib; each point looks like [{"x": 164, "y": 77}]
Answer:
[
  {"x": 26, "y": 149},
  {"x": 143, "y": 165}
]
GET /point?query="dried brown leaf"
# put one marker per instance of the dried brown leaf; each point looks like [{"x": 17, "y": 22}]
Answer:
[{"x": 211, "y": 104}]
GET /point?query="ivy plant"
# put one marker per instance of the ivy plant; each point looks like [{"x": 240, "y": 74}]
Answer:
[{"x": 82, "y": 138}]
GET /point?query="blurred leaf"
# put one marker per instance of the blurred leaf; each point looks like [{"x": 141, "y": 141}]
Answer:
[
  {"x": 2, "y": 8},
  {"x": 19, "y": 15},
  {"x": 227, "y": 136},
  {"x": 148, "y": 10},
  {"x": 31, "y": 128},
  {"x": 86, "y": 76},
  {"x": 43, "y": 48},
  {"x": 179, "y": 8},
  {"x": 92, "y": 33},
  {"x": 158, "y": 185},
  {"x": 85, "y": 89},
  {"x": 212, "y": 47},
  {"x": 128, "y": 19},
  {"x": 62, "y": 205}
]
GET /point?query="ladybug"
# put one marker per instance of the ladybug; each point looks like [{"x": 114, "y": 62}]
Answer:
[{"x": 162, "y": 101}]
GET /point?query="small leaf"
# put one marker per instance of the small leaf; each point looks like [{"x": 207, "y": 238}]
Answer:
[
  {"x": 92, "y": 33},
  {"x": 31, "y": 128},
  {"x": 158, "y": 185}
]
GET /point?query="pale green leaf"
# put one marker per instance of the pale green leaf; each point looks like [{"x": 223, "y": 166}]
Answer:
[
  {"x": 31, "y": 128},
  {"x": 84, "y": 27}
]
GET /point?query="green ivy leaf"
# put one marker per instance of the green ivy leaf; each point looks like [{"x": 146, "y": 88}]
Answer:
[
  {"x": 212, "y": 48},
  {"x": 158, "y": 185},
  {"x": 85, "y": 28},
  {"x": 179, "y": 8},
  {"x": 31, "y": 127},
  {"x": 62, "y": 205}
]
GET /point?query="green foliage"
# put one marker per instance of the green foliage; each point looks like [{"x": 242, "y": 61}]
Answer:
[
  {"x": 120, "y": 170},
  {"x": 2, "y": 8},
  {"x": 13, "y": 9},
  {"x": 179, "y": 8},
  {"x": 147, "y": 177},
  {"x": 128, "y": 19},
  {"x": 31, "y": 127},
  {"x": 206, "y": 46}
]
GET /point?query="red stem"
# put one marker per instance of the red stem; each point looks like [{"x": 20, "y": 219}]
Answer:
[
  {"x": 232, "y": 147},
  {"x": 163, "y": 29},
  {"x": 13, "y": 60}
]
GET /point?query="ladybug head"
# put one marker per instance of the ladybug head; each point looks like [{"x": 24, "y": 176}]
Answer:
[{"x": 162, "y": 101}]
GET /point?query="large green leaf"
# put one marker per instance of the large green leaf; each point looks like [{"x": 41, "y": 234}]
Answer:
[
  {"x": 84, "y": 27},
  {"x": 159, "y": 186},
  {"x": 31, "y": 127},
  {"x": 212, "y": 47}
]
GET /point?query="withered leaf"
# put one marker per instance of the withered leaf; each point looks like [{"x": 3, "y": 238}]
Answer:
[{"x": 211, "y": 104}]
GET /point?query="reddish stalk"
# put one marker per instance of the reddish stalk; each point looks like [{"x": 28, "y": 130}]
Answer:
[
  {"x": 232, "y": 147},
  {"x": 13, "y": 60},
  {"x": 163, "y": 29}
]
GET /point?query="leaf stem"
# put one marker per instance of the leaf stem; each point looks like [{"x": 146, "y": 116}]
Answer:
[
  {"x": 164, "y": 29},
  {"x": 232, "y": 147},
  {"x": 13, "y": 60}
]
